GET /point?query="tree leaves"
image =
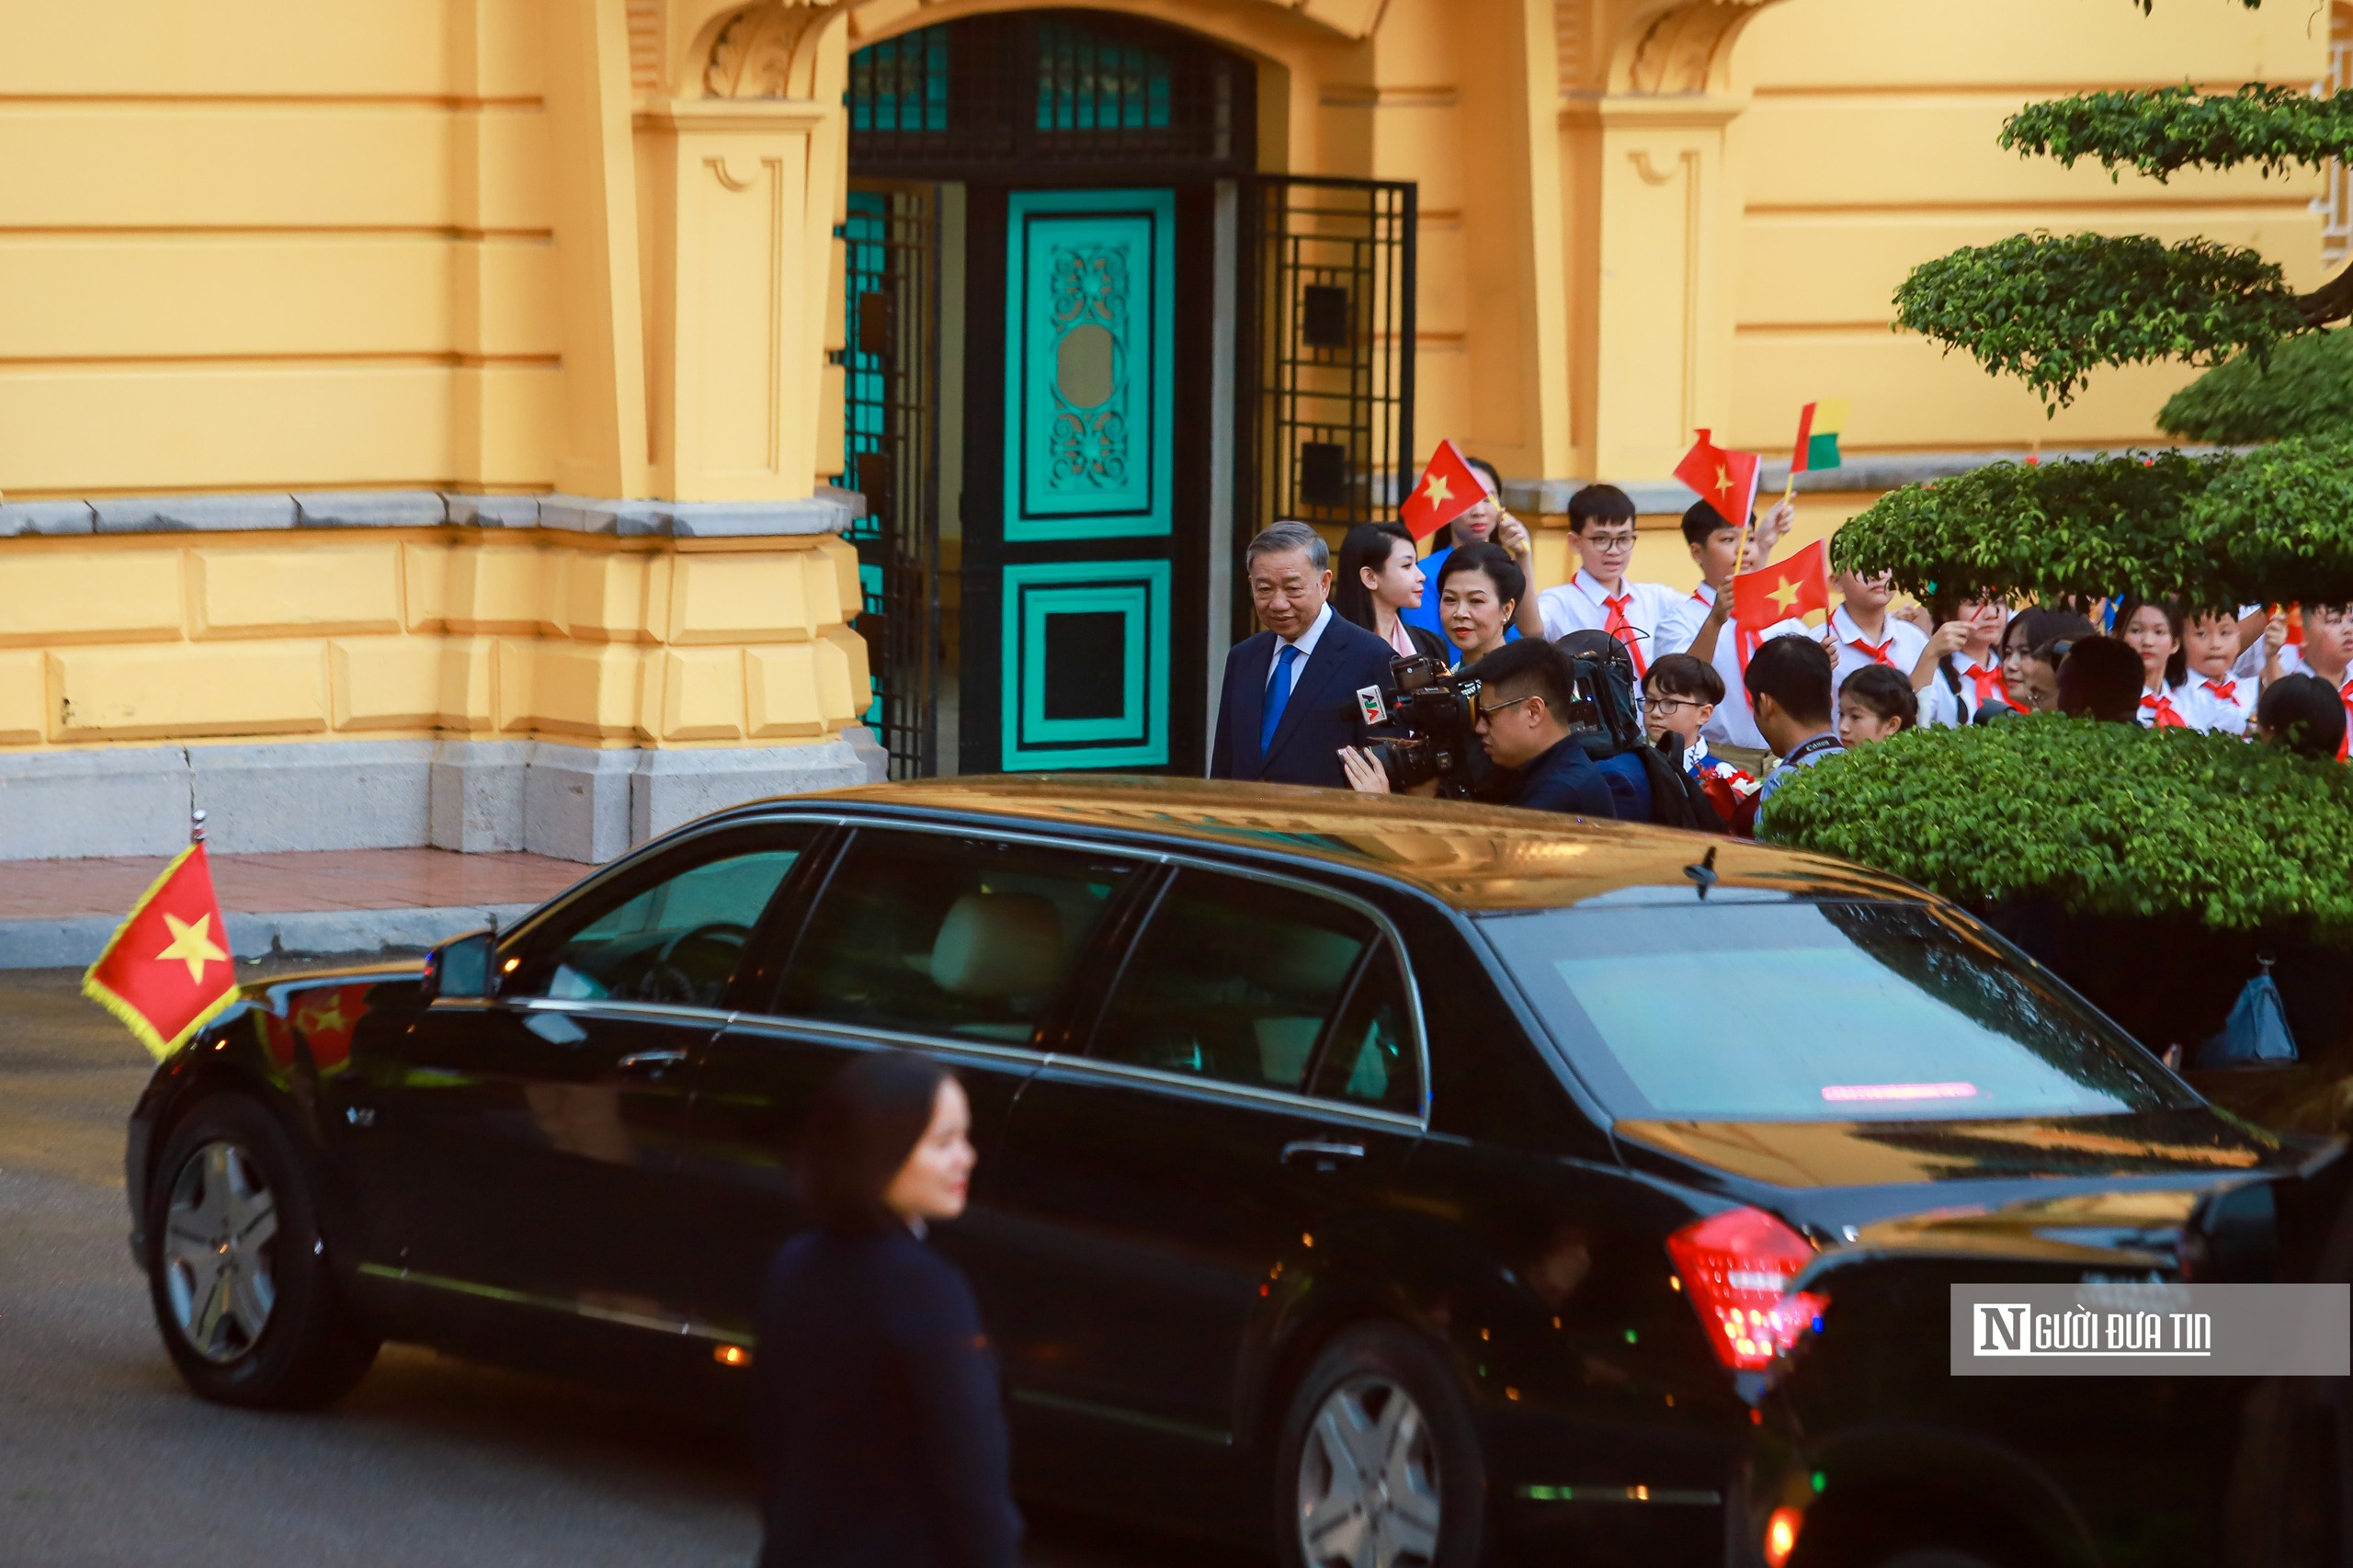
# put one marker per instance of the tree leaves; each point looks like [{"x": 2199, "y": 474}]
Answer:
[
  {"x": 2160, "y": 132},
  {"x": 2305, "y": 389},
  {"x": 2108, "y": 819},
  {"x": 2256, "y": 527},
  {"x": 2051, "y": 308}
]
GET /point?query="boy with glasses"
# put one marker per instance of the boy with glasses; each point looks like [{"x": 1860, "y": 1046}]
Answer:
[
  {"x": 1680, "y": 698},
  {"x": 1598, "y": 598}
]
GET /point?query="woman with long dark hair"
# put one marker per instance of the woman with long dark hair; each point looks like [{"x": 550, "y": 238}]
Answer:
[
  {"x": 1379, "y": 579},
  {"x": 880, "y": 1436}
]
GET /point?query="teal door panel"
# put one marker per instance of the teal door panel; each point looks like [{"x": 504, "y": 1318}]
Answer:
[
  {"x": 1089, "y": 386},
  {"x": 1086, "y": 664}
]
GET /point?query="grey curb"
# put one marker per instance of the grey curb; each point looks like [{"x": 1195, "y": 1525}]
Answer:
[
  {"x": 77, "y": 943},
  {"x": 47, "y": 517},
  {"x": 371, "y": 509},
  {"x": 193, "y": 514}
]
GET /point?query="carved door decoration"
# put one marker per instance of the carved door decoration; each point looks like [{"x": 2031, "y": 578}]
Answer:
[{"x": 1089, "y": 394}]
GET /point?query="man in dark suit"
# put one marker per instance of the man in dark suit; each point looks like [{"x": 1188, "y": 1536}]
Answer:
[{"x": 1290, "y": 700}]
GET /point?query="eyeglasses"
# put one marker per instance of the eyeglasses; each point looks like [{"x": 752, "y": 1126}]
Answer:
[
  {"x": 1669, "y": 704},
  {"x": 1488, "y": 709},
  {"x": 1610, "y": 541}
]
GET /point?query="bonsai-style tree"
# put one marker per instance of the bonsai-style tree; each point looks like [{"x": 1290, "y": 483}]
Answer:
[{"x": 2053, "y": 309}]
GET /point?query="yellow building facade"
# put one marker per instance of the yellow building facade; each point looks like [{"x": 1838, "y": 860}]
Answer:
[{"x": 506, "y": 423}]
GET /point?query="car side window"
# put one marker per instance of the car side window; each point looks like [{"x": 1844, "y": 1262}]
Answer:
[
  {"x": 1233, "y": 980},
  {"x": 1370, "y": 1059},
  {"x": 931, "y": 934},
  {"x": 677, "y": 939}
]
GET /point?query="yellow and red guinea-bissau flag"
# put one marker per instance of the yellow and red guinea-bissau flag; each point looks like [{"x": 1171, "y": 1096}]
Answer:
[
  {"x": 1449, "y": 487},
  {"x": 166, "y": 973}
]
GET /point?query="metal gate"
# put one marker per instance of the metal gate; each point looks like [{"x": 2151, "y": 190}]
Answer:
[
  {"x": 891, "y": 451},
  {"x": 1326, "y": 353}
]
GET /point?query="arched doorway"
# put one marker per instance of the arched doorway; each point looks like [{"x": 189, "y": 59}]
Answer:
[{"x": 1075, "y": 317}]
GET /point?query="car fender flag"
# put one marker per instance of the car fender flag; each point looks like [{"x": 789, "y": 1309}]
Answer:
[
  {"x": 1449, "y": 487},
  {"x": 1793, "y": 587},
  {"x": 1726, "y": 481},
  {"x": 166, "y": 973}
]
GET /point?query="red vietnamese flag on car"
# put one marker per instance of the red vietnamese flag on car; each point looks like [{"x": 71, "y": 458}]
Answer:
[
  {"x": 166, "y": 973},
  {"x": 1726, "y": 481},
  {"x": 1786, "y": 589},
  {"x": 1449, "y": 487}
]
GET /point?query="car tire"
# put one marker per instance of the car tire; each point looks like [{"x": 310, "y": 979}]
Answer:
[
  {"x": 2290, "y": 1498},
  {"x": 1379, "y": 1441},
  {"x": 237, "y": 1269}
]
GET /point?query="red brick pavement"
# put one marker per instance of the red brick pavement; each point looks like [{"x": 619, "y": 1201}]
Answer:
[{"x": 285, "y": 884}]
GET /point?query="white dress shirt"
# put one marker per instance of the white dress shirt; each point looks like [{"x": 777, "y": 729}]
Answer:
[
  {"x": 1305, "y": 642},
  {"x": 1903, "y": 641},
  {"x": 1732, "y": 724},
  {"x": 2219, "y": 704},
  {"x": 1940, "y": 705},
  {"x": 1582, "y": 604}
]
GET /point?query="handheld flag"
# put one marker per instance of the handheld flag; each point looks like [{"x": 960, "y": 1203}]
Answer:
[
  {"x": 1785, "y": 589},
  {"x": 1726, "y": 481},
  {"x": 166, "y": 971},
  {"x": 1819, "y": 428},
  {"x": 1449, "y": 487}
]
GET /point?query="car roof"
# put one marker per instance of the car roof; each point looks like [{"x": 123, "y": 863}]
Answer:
[{"x": 1474, "y": 858}]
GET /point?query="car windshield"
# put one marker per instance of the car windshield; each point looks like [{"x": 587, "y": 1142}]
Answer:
[{"x": 1813, "y": 1012}]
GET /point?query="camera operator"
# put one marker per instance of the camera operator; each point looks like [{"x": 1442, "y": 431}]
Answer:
[{"x": 1524, "y": 698}]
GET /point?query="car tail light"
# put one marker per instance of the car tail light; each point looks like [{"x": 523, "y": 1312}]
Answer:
[
  {"x": 1737, "y": 1266},
  {"x": 1781, "y": 1536}
]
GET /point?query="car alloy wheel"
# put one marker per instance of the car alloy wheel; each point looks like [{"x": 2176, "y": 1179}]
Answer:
[
  {"x": 219, "y": 1258},
  {"x": 1368, "y": 1480}
]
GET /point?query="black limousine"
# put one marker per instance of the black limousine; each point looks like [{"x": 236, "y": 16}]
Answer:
[{"x": 1384, "y": 1182}]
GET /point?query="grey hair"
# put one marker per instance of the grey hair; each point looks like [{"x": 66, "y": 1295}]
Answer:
[{"x": 1284, "y": 537}]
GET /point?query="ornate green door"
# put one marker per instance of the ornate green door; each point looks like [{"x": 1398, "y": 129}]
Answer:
[{"x": 1072, "y": 584}]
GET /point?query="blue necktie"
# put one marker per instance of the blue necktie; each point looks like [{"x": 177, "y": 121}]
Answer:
[{"x": 1277, "y": 696}]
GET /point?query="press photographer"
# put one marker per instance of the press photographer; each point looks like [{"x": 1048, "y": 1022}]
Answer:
[{"x": 1519, "y": 701}]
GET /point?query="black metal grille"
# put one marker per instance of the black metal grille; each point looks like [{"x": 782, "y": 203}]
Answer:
[
  {"x": 1046, "y": 89},
  {"x": 889, "y": 453},
  {"x": 1326, "y": 403}
]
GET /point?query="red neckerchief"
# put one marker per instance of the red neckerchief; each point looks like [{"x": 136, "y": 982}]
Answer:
[
  {"x": 2160, "y": 704},
  {"x": 1989, "y": 684},
  {"x": 1618, "y": 626},
  {"x": 2228, "y": 691}
]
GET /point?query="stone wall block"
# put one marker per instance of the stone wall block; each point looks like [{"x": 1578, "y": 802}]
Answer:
[
  {"x": 24, "y": 698},
  {"x": 763, "y": 597},
  {"x": 22, "y": 518},
  {"x": 251, "y": 688},
  {"x": 576, "y": 802},
  {"x": 477, "y": 792},
  {"x": 780, "y": 691},
  {"x": 193, "y": 514},
  {"x": 385, "y": 683},
  {"x": 671, "y": 788},
  {"x": 369, "y": 509},
  {"x": 343, "y": 795},
  {"x": 122, "y": 800},
  {"x": 702, "y": 694},
  {"x": 312, "y": 590},
  {"x": 53, "y": 596}
]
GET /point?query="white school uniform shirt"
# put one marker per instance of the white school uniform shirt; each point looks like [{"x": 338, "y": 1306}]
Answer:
[
  {"x": 1903, "y": 641},
  {"x": 1732, "y": 724},
  {"x": 1940, "y": 705},
  {"x": 1582, "y": 604},
  {"x": 2162, "y": 700},
  {"x": 2222, "y": 705}
]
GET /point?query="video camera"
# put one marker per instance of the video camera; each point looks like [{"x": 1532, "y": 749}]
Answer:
[{"x": 1438, "y": 710}]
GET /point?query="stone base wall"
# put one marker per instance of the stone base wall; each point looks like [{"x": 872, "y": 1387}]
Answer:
[{"x": 571, "y": 803}]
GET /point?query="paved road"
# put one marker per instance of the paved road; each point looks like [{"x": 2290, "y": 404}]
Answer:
[{"x": 106, "y": 1463}]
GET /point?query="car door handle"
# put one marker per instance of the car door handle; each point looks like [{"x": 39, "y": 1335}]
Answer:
[
  {"x": 649, "y": 1061},
  {"x": 1322, "y": 1152}
]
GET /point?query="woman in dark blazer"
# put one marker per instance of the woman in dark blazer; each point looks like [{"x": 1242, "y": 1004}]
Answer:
[
  {"x": 881, "y": 1435},
  {"x": 1379, "y": 578}
]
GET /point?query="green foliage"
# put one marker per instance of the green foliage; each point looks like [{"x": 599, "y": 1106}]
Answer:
[
  {"x": 2051, "y": 308},
  {"x": 2259, "y": 528},
  {"x": 2062, "y": 531},
  {"x": 2306, "y": 390},
  {"x": 2104, "y": 818},
  {"x": 2158, "y": 133}
]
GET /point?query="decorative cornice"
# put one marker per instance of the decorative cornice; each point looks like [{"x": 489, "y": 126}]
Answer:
[
  {"x": 769, "y": 50},
  {"x": 734, "y": 114},
  {"x": 1682, "y": 50}
]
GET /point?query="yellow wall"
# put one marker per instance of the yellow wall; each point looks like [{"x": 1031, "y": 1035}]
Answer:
[{"x": 398, "y": 632}]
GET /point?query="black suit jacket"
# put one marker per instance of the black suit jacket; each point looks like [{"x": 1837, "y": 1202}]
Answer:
[
  {"x": 879, "y": 1440},
  {"x": 1321, "y": 717}
]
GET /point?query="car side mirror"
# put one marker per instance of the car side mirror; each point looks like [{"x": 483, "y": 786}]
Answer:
[{"x": 461, "y": 967}]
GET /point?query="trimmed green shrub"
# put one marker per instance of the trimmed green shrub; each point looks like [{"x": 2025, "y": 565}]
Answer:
[
  {"x": 2306, "y": 390},
  {"x": 2258, "y": 528},
  {"x": 2101, "y": 818}
]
